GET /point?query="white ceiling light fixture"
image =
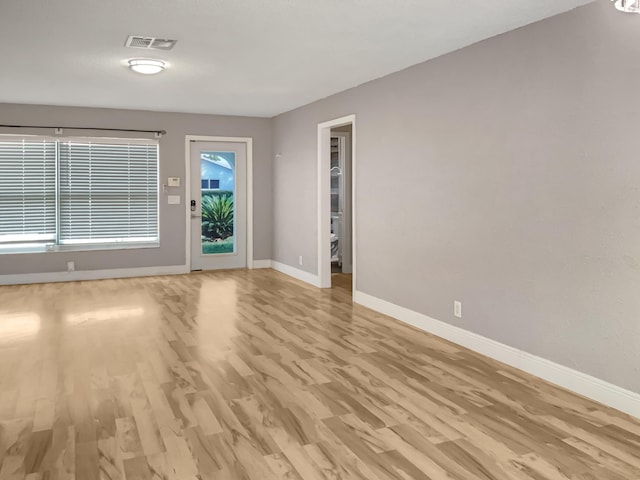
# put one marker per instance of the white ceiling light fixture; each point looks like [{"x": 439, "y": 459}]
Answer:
[
  {"x": 147, "y": 66},
  {"x": 629, "y": 6}
]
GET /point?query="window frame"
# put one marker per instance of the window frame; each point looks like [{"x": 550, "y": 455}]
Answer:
[{"x": 91, "y": 245}]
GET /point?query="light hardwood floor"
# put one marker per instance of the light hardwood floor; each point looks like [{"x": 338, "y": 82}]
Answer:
[{"x": 250, "y": 375}]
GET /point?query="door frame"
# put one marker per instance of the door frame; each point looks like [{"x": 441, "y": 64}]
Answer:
[
  {"x": 324, "y": 200},
  {"x": 248, "y": 141}
]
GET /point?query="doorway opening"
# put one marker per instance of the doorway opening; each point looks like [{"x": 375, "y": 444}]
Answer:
[
  {"x": 219, "y": 205},
  {"x": 336, "y": 206},
  {"x": 340, "y": 194}
]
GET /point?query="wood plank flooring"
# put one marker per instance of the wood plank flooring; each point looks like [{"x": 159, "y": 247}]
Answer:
[{"x": 251, "y": 375}]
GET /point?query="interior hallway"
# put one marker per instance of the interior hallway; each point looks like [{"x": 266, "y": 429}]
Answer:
[
  {"x": 253, "y": 375},
  {"x": 342, "y": 281}
]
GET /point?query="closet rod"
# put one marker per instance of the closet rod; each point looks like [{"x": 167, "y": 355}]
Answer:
[{"x": 157, "y": 132}]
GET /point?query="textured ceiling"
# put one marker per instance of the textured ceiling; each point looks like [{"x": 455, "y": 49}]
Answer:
[{"x": 238, "y": 57}]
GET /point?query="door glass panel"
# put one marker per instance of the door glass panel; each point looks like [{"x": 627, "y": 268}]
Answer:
[{"x": 218, "y": 185}]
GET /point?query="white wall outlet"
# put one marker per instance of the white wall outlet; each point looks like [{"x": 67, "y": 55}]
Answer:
[
  {"x": 173, "y": 181},
  {"x": 300, "y": 260},
  {"x": 457, "y": 309},
  {"x": 173, "y": 199},
  {"x": 71, "y": 266}
]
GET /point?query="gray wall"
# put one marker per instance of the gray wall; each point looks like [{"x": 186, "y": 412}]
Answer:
[
  {"x": 172, "y": 217},
  {"x": 505, "y": 175}
]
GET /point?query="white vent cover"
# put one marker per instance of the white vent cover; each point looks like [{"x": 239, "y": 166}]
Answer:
[{"x": 149, "y": 43}]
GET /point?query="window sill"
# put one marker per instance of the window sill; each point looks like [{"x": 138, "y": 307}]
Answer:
[{"x": 16, "y": 250}]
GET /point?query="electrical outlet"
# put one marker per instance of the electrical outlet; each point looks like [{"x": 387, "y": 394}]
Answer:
[
  {"x": 71, "y": 266},
  {"x": 457, "y": 309},
  {"x": 300, "y": 260}
]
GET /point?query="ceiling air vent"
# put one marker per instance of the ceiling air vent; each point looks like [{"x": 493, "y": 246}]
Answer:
[{"x": 149, "y": 43}]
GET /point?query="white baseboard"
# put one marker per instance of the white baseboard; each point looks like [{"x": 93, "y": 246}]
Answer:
[
  {"x": 586, "y": 385},
  {"x": 296, "y": 273},
  {"x": 21, "y": 279},
  {"x": 261, "y": 264}
]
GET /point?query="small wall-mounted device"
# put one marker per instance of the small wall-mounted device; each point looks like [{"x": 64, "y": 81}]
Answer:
[
  {"x": 457, "y": 309},
  {"x": 193, "y": 205},
  {"x": 173, "y": 199},
  {"x": 173, "y": 182}
]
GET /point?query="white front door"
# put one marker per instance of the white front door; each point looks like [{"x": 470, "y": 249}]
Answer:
[{"x": 218, "y": 205}]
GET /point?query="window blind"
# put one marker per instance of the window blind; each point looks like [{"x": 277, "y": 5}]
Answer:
[
  {"x": 108, "y": 192},
  {"x": 27, "y": 190}
]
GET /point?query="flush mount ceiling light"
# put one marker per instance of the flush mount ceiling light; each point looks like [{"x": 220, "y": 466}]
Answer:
[
  {"x": 146, "y": 66},
  {"x": 629, "y": 6}
]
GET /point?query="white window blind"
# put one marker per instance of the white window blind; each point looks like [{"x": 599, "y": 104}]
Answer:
[
  {"x": 108, "y": 192},
  {"x": 27, "y": 190}
]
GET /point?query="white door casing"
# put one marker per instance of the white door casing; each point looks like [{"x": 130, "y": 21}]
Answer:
[{"x": 324, "y": 204}]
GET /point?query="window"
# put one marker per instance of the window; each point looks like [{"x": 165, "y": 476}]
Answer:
[
  {"x": 78, "y": 192},
  {"x": 108, "y": 192},
  {"x": 27, "y": 191},
  {"x": 210, "y": 184}
]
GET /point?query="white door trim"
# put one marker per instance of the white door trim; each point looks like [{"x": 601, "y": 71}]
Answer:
[
  {"x": 324, "y": 202},
  {"x": 187, "y": 192}
]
